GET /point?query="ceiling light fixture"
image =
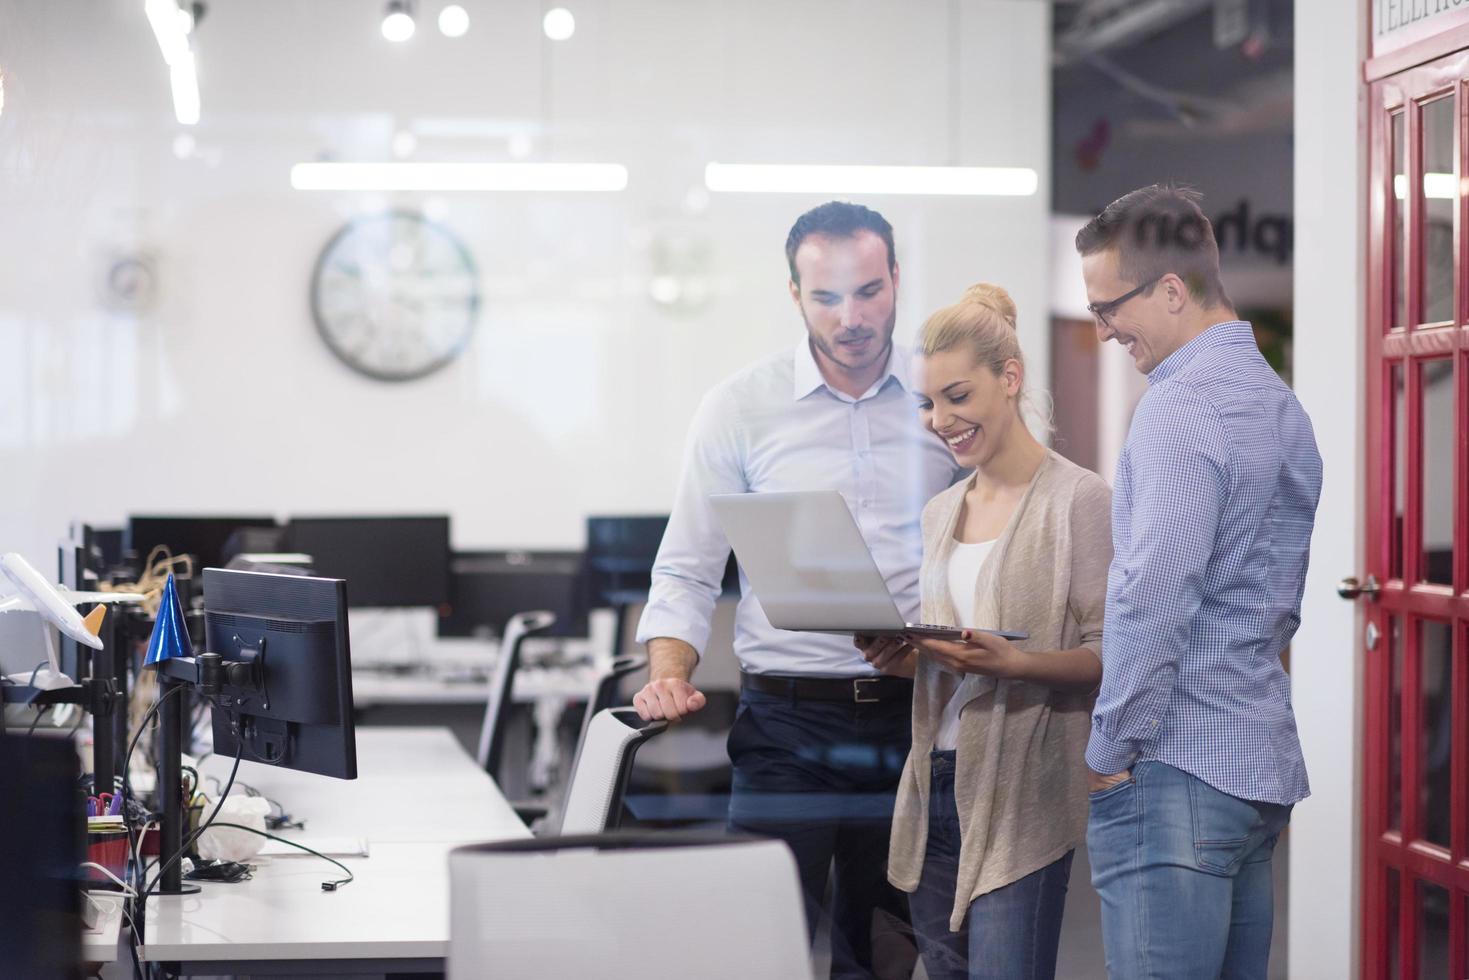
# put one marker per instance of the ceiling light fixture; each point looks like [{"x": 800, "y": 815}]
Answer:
[
  {"x": 558, "y": 24},
  {"x": 398, "y": 23},
  {"x": 453, "y": 21},
  {"x": 772, "y": 178},
  {"x": 184, "y": 82},
  {"x": 167, "y": 21},
  {"x": 1437, "y": 186},
  {"x": 412, "y": 176}
]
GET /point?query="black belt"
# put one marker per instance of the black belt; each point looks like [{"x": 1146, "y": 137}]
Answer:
[{"x": 853, "y": 690}]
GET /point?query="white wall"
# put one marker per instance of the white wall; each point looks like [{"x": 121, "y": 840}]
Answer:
[
  {"x": 1325, "y": 658},
  {"x": 575, "y": 393}
]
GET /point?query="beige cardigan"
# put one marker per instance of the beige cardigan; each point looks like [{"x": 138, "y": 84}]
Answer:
[{"x": 1020, "y": 776}]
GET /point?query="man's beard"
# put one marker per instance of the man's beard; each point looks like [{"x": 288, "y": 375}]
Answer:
[{"x": 839, "y": 357}]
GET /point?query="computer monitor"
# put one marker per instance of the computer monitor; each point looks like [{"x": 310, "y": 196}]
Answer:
[
  {"x": 203, "y": 537},
  {"x": 43, "y": 844},
  {"x": 296, "y": 709},
  {"x": 387, "y": 561},
  {"x": 620, "y": 555},
  {"x": 486, "y": 588},
  {"x": 107, "y": 548}
]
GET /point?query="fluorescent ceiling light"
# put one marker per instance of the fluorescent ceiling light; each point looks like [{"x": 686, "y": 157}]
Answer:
[
  {"x": 559, "y": 24},
  {"x": 168, "y": 28},
  {"x": 412, "y": 176},
  {"x": 398, "y": 26},
  {"x": 1438, "y": 186},
  {"x": 773, "y": 178},
  {"x": 171, "y": 27},
  {"x": 185, "y": 85},
  {"x": 454, "y": 21}
]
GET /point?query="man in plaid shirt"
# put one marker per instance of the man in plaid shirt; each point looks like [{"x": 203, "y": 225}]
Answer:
[{"x": 1194, "y": 754}]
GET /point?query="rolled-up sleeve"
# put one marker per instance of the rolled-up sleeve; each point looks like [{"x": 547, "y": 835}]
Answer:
[{"x": 692, "y": 557}]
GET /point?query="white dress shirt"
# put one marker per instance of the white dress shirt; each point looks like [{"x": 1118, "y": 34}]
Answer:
[
  {"x": 965, "y": 561},
  {"x": 777, "y": 426}
]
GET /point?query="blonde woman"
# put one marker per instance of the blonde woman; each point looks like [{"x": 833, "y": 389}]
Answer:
[{"x": 993, "y": 800}]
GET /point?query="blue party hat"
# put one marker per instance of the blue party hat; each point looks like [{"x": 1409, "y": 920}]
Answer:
[{"x": 170, "y": 634}]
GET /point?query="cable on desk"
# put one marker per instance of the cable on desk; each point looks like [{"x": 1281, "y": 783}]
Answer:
[
  {"x": 40, "y": 713},
  {"x": 189, "y": 840},
  {"x": 127, "y": 890},
  {"x": 127, "y": 789},
  {"x": 326, "y": 886}
]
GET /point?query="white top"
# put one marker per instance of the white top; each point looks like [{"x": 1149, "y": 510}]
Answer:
[
  {"x": 777, "y": 426},
  {"x": 965, "y": 562}
]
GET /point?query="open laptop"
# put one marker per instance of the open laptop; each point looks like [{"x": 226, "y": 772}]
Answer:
[{"x": 810, "y": 568}]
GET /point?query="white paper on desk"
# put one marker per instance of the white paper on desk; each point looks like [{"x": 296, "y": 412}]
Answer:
[{"x": 330, "y": 846}]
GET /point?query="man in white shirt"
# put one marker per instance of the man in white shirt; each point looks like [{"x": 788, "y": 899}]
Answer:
[{"x": 820, "y": 737}]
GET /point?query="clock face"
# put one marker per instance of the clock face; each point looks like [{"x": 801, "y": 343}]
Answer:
[{"x": 395, "y": 296}]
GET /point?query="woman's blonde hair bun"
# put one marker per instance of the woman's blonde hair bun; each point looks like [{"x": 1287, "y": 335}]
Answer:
[{"x": 993, "y": 297}]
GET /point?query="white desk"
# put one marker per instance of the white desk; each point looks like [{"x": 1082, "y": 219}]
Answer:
[
  {"x": 532, "y": 684},
  {"x": 99, "y": 945},
  {"x": 549, "y": 691},
  {"x": 416, "y": 797}
]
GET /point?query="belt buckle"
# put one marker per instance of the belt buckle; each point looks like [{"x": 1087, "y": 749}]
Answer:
[{"x": 857, "y": 683}]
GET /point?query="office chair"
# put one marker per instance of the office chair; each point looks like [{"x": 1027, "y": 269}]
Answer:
[
  {"x": 594, "y": 905},
  {"x": 598, "y": 784},
  {"x": 605, "y": 694},
  {"x": 497, "y": 707},
  {"x": 684, "y": 779}
]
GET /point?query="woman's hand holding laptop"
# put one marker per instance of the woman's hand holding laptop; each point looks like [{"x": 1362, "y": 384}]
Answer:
[{"x": 977, "y": 652}]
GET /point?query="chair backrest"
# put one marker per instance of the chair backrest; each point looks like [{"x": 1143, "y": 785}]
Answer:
[
  {"x": 712, "y": 906},
  {"x": 593, "y": 800},
  {"x": 502, "y": 682},
  {"x": 604, "y": 694}
]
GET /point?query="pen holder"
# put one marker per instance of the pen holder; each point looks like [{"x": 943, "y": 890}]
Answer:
[{"x": 108, "y": 848}]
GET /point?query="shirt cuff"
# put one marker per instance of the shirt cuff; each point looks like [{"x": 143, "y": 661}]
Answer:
[
  {"x": 659, "y": 620},
  {"x": 1107, "y": 757}
]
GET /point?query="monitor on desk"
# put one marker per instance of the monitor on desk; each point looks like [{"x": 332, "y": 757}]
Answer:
[
  {"x": 204, "y": 537},
  {"x": 620, "y": 556},
  {"x": 296, "y": 711},
  {"x": 486, "y": 588},
  {"x": 387, "y": 561}
]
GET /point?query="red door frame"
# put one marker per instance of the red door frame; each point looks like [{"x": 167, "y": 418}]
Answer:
[{"x": 1386, "y": 850}]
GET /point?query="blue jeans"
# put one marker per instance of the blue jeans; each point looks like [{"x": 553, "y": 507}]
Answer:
[
  {"x": 823, "y": 776},
  {"x": 1183, "y": 871},
  {"x": 1011, "y": 933}
]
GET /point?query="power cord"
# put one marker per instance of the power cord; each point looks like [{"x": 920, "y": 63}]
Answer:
[
  {"x": 127, "y": 788},
  {"x": 40, "y": 713},
  {"x": 189, "y": 840},
  {"x": 326, "y": 886}
]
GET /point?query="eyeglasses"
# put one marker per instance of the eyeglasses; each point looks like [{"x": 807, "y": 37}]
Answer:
[{"x": 1104, "y": 311}]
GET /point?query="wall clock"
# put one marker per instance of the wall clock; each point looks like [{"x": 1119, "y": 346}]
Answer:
[{"x": 395, "y": 296}]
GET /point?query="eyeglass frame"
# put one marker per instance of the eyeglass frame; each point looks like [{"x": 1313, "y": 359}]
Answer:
[{"x": 1103, "y": 311}]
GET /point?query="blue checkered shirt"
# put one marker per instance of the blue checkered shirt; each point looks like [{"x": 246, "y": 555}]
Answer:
[{"x": 1212, "y": 512}]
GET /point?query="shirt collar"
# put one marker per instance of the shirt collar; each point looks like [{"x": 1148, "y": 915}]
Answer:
[
  {"x": 1231, "y": 333},
  {"x": 808, "y": 375}
]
